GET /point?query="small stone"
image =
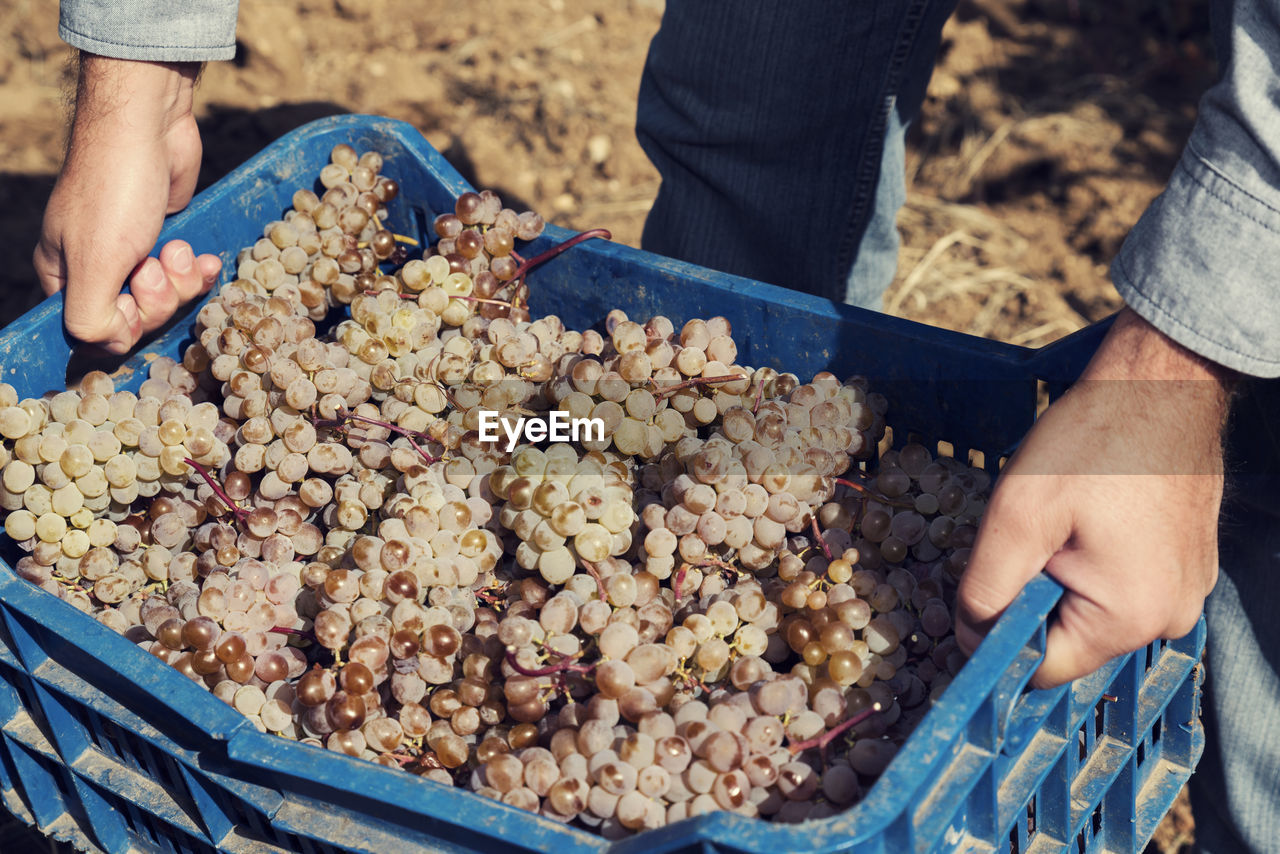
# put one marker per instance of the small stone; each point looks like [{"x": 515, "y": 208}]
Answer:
[{"x": 599, "y": 148}]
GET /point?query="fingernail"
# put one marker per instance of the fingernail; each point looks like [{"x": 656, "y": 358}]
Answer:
[
  {"x": 151, "y": 276},
  {"x": 183, "y": 259}
]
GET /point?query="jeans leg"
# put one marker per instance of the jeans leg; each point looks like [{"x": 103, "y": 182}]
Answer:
[
  {"x": 1235, "y": 791},
  {"x": 877, "y": 259},
  {"x": 767, "y": 122}
]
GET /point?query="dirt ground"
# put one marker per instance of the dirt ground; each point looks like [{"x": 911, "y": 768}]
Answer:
[{"x": 1048, "y": 127}]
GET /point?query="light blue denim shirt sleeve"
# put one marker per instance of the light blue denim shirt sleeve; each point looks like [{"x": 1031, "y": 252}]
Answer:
[
  {"x": 1203, "y": 263},
  {"x": 153, "y": 30}
]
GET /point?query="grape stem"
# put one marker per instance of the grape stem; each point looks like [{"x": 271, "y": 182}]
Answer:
[
  {"x": 821, "y": 741},
  {"x": 661, "y": 393},
  {"x": 491, "y": 596},
  {"x": 679, "y": 581},
  {"x": 595, "y": 573},
  {"x": 403, "y": 295},
  {"x": 567, "y": 664},
  {"x": 410, "y": 435},
  {"x": 485, "y": 300},
  {"x": 869, "y": 493},
  {"x": 687, "y": 679},
  {"x": 399, "y": 238},
  {"x": 297, "y": 633},
  {"x": 705, "y": 562},
  {"x": 543, "y": 257},
  {"x": 826, "y": 549},
  {"x": 241, "y": 515},
  {"x": 759, "y": 397}
]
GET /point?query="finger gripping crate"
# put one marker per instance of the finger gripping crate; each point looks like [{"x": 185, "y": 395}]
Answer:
[{"x": 103, "y": 745}]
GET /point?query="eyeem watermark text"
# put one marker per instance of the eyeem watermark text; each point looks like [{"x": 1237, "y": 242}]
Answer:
[{"x": 556, "y": 427}]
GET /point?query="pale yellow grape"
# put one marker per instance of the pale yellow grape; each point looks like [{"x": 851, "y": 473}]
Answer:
[
  {"x": 249, "y": 700},
  {"x": 712, "y": 654},
  {"x": 93, "y": 484},
  {"x": 50, "y": 527},
  {"x": 75, "y": 543},
  {"x": 94, "y": 409},
  {"x": 723, "y": 617},
  {"x": 102, "y": 533},
  {"x": 67, "y": 500},
  {"x": 27, "y": 449},
  {"x": 172, "y": 431},
  {"x": 95, "y": 504},
  {"x": 54, "y": 477},
  {"x": 557, "y": 565},
  {"x": 172, "y": 460},
  {"x": 621, "y": 590},
  {"x": 545, "y": 538},
  {"x": 18, "y": 477},
  {"x": 76, "y": 460},
  {"x": 700, "y": 626},
  {"x": 704, "y": 410},
  {"x": 51, "y": 446},
  {"x": 38, "y": 413},
  {"x": 628, "y": 436},
  {"x": 20, "y": 525},
  {"x": 275, "y": 715},
  {"x": 38, "y": 498},
  {"x": 15, "y": 422},
  {"x": 617, "y": 516},
  {"x": 660, "y": 542},
  {"x": 593, "y": 542}
]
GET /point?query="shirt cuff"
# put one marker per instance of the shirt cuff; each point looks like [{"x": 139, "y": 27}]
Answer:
[
  {"x": 1201, "y": 266},
  {"x": 151, "y": 30}
]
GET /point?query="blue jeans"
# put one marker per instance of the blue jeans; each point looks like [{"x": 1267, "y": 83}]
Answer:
[
  {"x": 1235, "y": 793},
  {"x": 778, "y": 131}
]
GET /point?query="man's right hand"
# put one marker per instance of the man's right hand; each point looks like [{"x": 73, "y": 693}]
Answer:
[
  {"x": 133, "y": 157},
  {"x": 1115, "y": 493}
]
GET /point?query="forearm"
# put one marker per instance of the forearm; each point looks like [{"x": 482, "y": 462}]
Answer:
[
  {"x": 1134, "y": 349},
  {"x": 117, "y": 99},
  {"x": 1160, "y": 408}
]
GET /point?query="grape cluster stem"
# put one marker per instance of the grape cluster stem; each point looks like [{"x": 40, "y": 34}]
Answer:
[
  {"x": 241, "y": 515},
  {"x": 821, "y": 741},
  {"x": 543, "y": 257},
  {"x": 817, "y": 534},
  {"x": 566, "y": 664},
  {"x": 663, "y": 393},
  {"x": 867, "y": 492},
  {"x": 411, "y": 435}
]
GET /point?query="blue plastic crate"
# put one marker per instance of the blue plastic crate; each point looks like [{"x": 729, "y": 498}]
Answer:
[{"x": 104, "y": 746}]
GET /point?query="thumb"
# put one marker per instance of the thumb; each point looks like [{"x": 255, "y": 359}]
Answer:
[{"x": 1017, "y": 537}]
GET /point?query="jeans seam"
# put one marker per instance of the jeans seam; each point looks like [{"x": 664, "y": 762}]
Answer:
[{"x": 870, "y": 160}]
